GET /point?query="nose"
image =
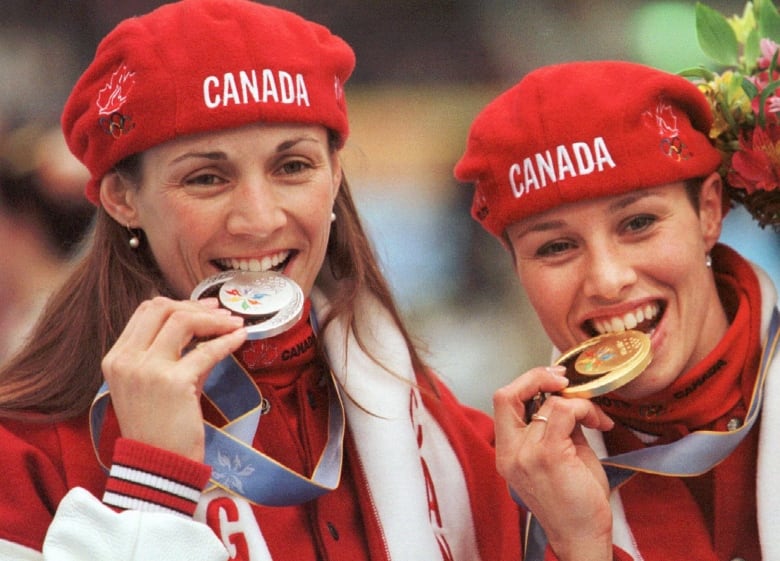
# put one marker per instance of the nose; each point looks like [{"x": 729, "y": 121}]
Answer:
[
  {"x": 256, "y": 209},
  {"x": 609, "y": 271}
]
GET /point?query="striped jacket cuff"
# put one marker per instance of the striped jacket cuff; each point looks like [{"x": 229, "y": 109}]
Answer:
[{"x": 150, "y": 479}]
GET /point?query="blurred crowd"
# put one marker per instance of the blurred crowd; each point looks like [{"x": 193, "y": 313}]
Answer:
[{"x": 43, "y": 218}]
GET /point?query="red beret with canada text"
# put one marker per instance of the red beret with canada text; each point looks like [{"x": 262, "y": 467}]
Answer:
[
  {"x": 584, "y": 130},
  {"x": 202, "y": 65}
]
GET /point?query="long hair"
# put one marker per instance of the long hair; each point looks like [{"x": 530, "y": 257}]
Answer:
[
  {"x": 58, "y": 372},
  {"x": 352, "y": 262}
]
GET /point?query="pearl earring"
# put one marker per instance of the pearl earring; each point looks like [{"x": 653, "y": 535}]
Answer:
[
  {"x": 133, "y": 241},
  {"x": 708, "y": 261},
  {"x": 332, "y": 216}
]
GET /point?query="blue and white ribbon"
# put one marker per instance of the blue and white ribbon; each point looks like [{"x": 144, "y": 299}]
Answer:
[{"x": 236, "y": 466}]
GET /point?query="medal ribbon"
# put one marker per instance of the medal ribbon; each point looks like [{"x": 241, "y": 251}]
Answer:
[
  {"x": 699, "y": 451},
  {"x": 692, "y": 455},
  {"x": 236, "y": 466}
]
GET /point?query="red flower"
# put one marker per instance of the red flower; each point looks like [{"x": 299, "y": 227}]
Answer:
[{"x": 756, "y": 165}]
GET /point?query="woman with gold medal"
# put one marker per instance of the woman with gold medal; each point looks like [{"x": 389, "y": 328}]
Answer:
[{"x": 653, "y": 436}]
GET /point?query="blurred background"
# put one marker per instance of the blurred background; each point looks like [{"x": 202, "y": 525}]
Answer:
[{"x": 425, "y": 68}]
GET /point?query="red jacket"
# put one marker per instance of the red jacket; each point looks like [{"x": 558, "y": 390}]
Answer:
[{"x": 42, "y": 462}]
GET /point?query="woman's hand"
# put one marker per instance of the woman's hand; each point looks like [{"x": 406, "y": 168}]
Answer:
[
  {"x": 551, "y": 467},
  {"x": 155, "y": 385}
]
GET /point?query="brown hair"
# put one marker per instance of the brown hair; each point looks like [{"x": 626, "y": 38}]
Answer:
[{"x": 58, "y": 372}]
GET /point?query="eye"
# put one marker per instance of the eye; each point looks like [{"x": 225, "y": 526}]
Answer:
[
  {"x": 204, "y": 179},
  {"x": 292, "y": 167},
  {"x": 639, "y": 223},
  {"x": 555, "y": 248}
]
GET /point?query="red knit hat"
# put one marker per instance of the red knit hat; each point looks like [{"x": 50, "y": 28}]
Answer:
[
  {"x": 584, "y": 130},
  {"x": 203, "y": 65}
]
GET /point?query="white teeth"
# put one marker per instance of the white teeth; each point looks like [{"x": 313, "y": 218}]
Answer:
[
  {"x": 617, "y": 325},
  {"x": 628, "y": 321},
  {"x": 255, "y": 265}
]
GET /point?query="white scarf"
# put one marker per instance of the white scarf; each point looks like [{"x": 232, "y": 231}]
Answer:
[{"x": 377, "y": 402}]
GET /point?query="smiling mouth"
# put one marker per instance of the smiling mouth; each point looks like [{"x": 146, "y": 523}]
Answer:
[
  {"x": 275, "y": 263},
  {"x": 644, "y": 318}
]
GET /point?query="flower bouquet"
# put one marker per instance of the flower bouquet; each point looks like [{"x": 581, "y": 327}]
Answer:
[{"x": 745, "y": 102}]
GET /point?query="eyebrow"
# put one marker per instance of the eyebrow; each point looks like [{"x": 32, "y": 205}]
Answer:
[
  {"x": 207, "y": 155},
  {"x": 630, "y": 199},
  {"x": 219, "y": 155},
  {"x": 286, "y": 145}
]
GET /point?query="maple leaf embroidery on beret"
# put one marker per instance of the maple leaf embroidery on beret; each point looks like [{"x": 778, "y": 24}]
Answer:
[{"x": 114, "y": 94}]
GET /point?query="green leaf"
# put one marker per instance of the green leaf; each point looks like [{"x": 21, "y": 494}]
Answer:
[
  {"x": 769, "y": 90},
  {"x": 749, "y": 88},
  {"x": 697, "y": 72},
  {"x": 752, "y": 50},
  {"x": 716, "y": 37},
  {"x": 768, "y": 20}
]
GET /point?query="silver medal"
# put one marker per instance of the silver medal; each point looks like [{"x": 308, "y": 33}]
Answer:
[{"x": 269, "y": 302}]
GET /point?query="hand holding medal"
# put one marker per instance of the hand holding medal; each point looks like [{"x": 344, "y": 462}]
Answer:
[{"x": 601, "y": 365}]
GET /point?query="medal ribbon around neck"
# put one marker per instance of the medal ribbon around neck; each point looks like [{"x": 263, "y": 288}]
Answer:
[
  {"x": 692, "y": 455},
  {"x": 699, "y": 451},
  {"x": 236, "y": 466}
]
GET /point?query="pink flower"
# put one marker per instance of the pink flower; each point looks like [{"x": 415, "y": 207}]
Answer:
[
  {"x": 768, "y": 50},
  {"x": 756, "y": 165},
  {"x": 772, "y": 105}
]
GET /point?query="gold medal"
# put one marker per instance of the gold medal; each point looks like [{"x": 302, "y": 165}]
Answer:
[{"x": 604, "y": 363}]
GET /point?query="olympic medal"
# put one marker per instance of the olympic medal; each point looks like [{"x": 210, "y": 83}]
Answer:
[
  {"x": 269, "y": 302},
  {"x": 605, "y": 363}
]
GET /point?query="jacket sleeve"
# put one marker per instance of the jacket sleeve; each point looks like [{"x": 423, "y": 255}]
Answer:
[
  {"x": 146, "y": 511},
  {"x": 85, "y": 528}
]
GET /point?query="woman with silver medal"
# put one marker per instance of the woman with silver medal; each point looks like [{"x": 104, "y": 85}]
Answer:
[
  {"x": 652, "y": 435},
  {"x": 226, "y": 375}
]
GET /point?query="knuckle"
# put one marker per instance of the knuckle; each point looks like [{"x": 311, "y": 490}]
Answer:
[
  {"x": 208, "y": 350},
  {"x": 178, "y": 316},
  {"x": 108, "y": 365},
  {"x": 558, "y": 404},
  {"x": 501, "y": 396},
  {"x": 124, "y": 366}
]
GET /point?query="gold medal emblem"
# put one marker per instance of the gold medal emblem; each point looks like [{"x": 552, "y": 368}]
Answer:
[{"x": 604, "y": 363}]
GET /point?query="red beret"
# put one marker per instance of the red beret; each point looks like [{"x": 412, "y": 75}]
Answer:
[
  {"x": 584, "y": 130},
  {"x": 203, "y": 65}
]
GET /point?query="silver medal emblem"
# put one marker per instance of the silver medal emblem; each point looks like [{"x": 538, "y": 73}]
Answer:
[{"x": 269, "y": 302}]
